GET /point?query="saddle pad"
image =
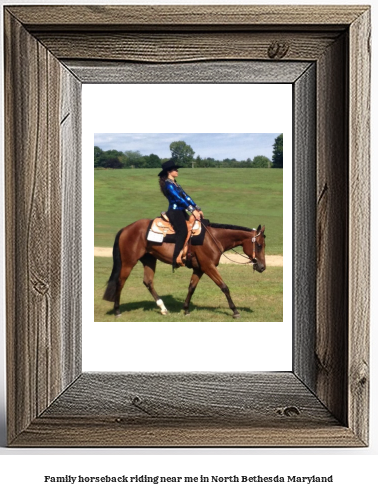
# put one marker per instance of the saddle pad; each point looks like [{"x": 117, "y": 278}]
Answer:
[{"x": 155, "y": 237}]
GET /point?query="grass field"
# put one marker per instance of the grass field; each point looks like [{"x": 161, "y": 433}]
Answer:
[
  {"x": 258, "y": 297},
  {"x": 245, "y": 197}
]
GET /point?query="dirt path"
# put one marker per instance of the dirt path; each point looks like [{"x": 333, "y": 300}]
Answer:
[{"x": 271, "y": 260}]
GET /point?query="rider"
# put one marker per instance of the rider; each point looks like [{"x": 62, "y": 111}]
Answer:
[{"x": 179, "y": 204}]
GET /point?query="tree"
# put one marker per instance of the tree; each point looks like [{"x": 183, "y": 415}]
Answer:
[
  {"x": 97, "y": 156},
  {"x": 208, "y": 163},
  {"x": 108, "y": 159},
  {"x": 112, "y": 159},
  {"x": 113, "y": 162},
  {"x": 152, "y": 161},
  {"x": 182, "y": 153},
  {"x": 134, "y": 159},
  {"x": 278, "y": 152},
  {"x": 230, "y": 163},
  {"x": 261, "y": 161}
]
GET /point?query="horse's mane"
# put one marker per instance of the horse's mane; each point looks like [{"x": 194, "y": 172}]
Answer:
[{"x": 229, "y": 226}]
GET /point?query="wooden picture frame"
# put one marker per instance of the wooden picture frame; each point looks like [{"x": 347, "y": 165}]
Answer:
[{"x": 324, "y": 52}]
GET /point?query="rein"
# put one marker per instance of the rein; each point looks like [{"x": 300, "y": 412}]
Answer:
[{"x": 240, "y": 254}]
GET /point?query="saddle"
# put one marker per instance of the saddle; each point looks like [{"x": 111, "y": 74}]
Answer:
[{"x": 161, "y": 227}]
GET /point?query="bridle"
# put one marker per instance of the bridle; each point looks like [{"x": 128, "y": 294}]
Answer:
[{"x": 254, "y": 238}]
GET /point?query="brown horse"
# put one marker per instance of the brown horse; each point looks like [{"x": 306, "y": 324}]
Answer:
[{"x": 131, "y": 245}]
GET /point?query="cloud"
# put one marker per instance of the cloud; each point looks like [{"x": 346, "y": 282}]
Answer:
[{"x": 218, "y": 146}]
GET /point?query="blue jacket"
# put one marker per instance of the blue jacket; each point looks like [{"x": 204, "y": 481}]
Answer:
[{"x": 178, "y": 199}]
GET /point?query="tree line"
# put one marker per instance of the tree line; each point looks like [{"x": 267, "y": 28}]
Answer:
[{"x": 184, "y": 156}]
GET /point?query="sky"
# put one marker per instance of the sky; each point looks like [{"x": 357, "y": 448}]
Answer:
[{"x": 207, "y": 145}]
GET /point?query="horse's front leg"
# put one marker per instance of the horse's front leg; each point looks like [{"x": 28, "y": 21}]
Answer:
[
  {"x": 226, "y": 291},
  {"x": 213, "y": 273},
  {"x": 196, "y": 276}
]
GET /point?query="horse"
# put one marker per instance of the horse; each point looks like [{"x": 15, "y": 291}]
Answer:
[{"x": 131, "y": 245}]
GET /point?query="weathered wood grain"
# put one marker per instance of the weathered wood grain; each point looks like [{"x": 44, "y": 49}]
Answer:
[
  {"x": 359, "y": 226},
  {"x": 323, "y": 402},
  {"x": 33, "y": 194},
  {"x": 304, "y": 227},
  {"x": 71, "y": 189},
  {"x": 197, "y": 409},
  {"x": 199, "y": 72},
  {"x": 34, "y": 242},
  {"x": 180, "y": 47},
  {"x": 94, "y": 432},
  {"x": 185, "y": 15},
  {"x": 331, "y": 350},
  {"x": 246, "y": 397}
]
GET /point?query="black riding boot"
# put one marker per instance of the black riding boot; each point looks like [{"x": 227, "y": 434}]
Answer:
[{"x": 178, "y": 221}]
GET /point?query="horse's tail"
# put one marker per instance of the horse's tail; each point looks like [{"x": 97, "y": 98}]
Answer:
[{"x": 111, "y": 289}]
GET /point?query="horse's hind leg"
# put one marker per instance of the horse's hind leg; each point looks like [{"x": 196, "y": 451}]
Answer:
[
  {"x": 149, "y": 264},
  {"x": 125, "y": 273},
  {"x": 196, "y": 276}
]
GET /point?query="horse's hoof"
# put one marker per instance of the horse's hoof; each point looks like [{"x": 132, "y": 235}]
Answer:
[
  {"x": 236, "y": 315},
  {"x": 164, "y": 313},
  {"x": 118, "y": 315},
  {"x": 187, "y": 313}
]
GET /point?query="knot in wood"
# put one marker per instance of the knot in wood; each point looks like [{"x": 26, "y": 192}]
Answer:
[
  {"x": 288, "y": 411},
  {"x": 362, "y": 375},
  {"x": 278, "y": 50},
  {"x": 136, "y": 400},
  {"x": 140, "y": 404},
  {"x": 363, "y": 381},
  {"x": 41, "y": 287}
]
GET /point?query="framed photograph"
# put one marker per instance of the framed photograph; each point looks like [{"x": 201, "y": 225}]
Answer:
[
  {"x": 224, "y": 180},
  {"x": 323, "y": 53}
]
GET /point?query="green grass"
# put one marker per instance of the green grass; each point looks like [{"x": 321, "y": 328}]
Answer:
[
  {"x": 258, "y": 297},
  {"x": 245, "y": 197}
]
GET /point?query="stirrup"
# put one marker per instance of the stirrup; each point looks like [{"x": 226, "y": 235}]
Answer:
[{"x": 179, "y": 260}]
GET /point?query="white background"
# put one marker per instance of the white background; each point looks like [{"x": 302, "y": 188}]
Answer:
[
  {"x": 239, "y": 346},
  {"x": 354, "y": 470}
]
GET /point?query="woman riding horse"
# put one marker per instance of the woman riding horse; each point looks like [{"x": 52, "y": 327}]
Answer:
[
  {"x": 179, "y": 204},
  {"x": 131, "y": 246}
]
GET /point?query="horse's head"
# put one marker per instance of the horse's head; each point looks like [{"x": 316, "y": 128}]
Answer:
[{"x": 254, "y": 247}]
